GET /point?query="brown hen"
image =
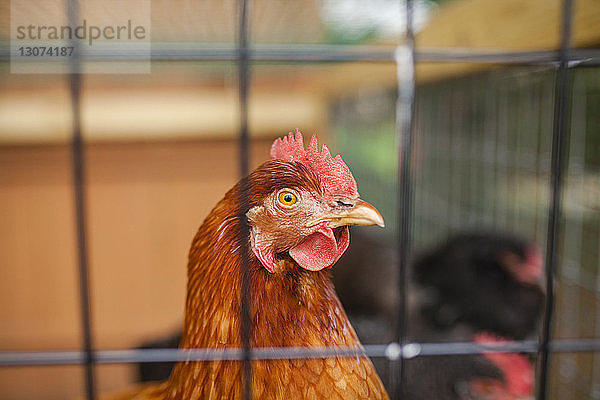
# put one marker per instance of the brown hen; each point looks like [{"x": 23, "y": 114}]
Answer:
[{"x": 299, "y": 206}]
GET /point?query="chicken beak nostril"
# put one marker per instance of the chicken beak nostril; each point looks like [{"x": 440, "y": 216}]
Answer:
[{"x": 342, "y": 203}]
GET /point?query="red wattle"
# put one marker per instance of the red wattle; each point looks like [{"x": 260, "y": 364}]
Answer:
[
  {"x": 517, "y": 369},
  {"x": 320, "y": 249}
]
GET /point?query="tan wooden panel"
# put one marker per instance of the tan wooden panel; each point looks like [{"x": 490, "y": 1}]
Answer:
[{"x": 145, "y": 202}]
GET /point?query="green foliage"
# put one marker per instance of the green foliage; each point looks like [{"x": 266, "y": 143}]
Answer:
[{"x": 338, "y": 36}]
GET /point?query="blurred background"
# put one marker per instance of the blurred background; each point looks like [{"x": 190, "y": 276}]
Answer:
[{"x": 161, "y": 151}]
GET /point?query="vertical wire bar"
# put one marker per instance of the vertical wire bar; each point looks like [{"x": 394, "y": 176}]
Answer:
[
  {"x": 78, "y": 165},
  {"x": 244, "y": 77},
  {"x": 559, "y": 137},
  {"x": 405, "y": 64}
]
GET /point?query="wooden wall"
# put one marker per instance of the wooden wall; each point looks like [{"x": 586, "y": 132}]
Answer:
[{"x": 145, "y": 202}]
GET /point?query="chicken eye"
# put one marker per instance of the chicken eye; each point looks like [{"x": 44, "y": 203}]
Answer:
[{"x": 287, "y": 198}]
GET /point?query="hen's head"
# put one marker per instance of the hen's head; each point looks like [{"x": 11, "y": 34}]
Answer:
[{"x": 302, "y": 202}]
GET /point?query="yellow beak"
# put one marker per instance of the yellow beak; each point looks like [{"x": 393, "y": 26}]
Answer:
[{"x": 362, "y": 214}]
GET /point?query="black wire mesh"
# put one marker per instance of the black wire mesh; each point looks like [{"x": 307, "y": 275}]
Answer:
[
  {"x": 244, "y": 76},
  {"x": 323, "y": 53},
  {"x": 392, "y": 352},
  {"x": 405, "y": 57},
  {"x": 563, "y": 90},
  {"x": 78, "y": 158},
  {"x": 405, "y": 104}
]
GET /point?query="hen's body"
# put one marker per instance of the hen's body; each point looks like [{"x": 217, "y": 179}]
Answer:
[{"x": 291, "y": 307}]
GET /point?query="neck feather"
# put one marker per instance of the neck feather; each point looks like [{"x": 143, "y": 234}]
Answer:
[{"x": 294, "y": 307}]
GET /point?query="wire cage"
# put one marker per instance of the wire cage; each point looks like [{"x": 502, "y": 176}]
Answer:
[{"x": 450, "y": 140}]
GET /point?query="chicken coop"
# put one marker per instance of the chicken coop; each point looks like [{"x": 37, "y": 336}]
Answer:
[{"x": 467, "y": 123}]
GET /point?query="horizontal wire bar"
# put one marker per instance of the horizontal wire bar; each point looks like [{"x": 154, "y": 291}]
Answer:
[
  {"x": 392, "y": 351},
  {"x": 179, "y": 51},
  {"x": 465, "y": 348},
  {"x": 172, "y": 355}
]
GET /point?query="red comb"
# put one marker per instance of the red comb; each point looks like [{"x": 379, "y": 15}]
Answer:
[{"x": 335, "y": 176}]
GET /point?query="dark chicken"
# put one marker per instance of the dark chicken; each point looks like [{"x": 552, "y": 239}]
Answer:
[
  {"x": 300, "y": 204},
  {"x": 483, "y": 287},
  {"x": 489, "y": 281},
  {"x": 479, "y": 286}
]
